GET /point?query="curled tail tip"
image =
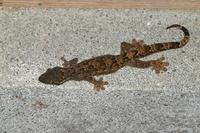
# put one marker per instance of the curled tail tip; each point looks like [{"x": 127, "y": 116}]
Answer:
[
  {"x": 174, "y": 26},
  {"x": 185, "y": 30}
]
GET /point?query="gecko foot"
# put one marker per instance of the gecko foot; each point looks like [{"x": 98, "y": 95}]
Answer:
[
  {"x": 139, "y": 42},
  {"x": 159, "y": 65},
  {"x": 99, "y": 84},
  {"x": 70, "y": 63}
]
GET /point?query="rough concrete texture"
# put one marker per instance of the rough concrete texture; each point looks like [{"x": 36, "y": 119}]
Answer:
[{"x": 136, "y": 100}]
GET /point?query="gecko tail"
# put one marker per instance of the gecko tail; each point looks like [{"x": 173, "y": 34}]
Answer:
[
  {"x": 186, "y": 37},
  {"x": 158, "y": 47}
]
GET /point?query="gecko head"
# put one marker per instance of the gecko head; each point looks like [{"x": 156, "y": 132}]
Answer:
[{"x": 55, "y": 76}]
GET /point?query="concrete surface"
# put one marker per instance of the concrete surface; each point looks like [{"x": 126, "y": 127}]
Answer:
[{"x": 136, "y": 100}]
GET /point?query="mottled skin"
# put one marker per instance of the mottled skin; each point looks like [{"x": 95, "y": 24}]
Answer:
[{"x": 106, "y": 64}]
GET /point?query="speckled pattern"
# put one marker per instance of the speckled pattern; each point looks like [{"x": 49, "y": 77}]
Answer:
[{"x": 135, "y": 100}]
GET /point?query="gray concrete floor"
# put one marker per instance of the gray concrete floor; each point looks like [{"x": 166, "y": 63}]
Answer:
[{"x": 136, "y": 100}]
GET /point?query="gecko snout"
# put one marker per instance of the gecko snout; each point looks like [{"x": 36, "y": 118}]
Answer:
[
  {"x": 53, "y": 76},
  {"x": 44, "y": 79}
]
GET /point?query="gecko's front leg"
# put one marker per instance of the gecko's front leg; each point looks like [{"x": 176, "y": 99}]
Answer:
[
  {"x": 69, "y": 63},
  {"x": 98, "y": 84},
  {"x": 158, "y": 65}
]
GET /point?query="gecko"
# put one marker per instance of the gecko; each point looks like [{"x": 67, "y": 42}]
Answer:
[{"x": 130, "y": 55}]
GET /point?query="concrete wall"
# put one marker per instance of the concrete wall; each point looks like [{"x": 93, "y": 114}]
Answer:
[{"x": 136, "y": 100}]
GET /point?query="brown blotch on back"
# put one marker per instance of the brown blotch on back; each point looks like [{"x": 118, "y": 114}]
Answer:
[
  {"x": 102, "y": 65},
  {"x": 185, "y": 40},
  {"x": 159, "y": 47},
  {"x": 108, "y": 62}
]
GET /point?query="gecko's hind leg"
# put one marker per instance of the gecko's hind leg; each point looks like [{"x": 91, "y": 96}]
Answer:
[
  {"x": 158, "y": 65},
  {"x": 98, "y": 84},
  {"x": 138, "y": 43},
  {"x": 135, "y": 45},
  {"x": 69, "y": 63}
]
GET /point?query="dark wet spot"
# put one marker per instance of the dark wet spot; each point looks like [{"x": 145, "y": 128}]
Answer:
[
  {"x": 182, "y": 51},
  {"x": 165, "y": 104},
  {"x": 174, "y": 70},
  {"x": 183, "y": 95},
  {"x": 192, "y": 59}
]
